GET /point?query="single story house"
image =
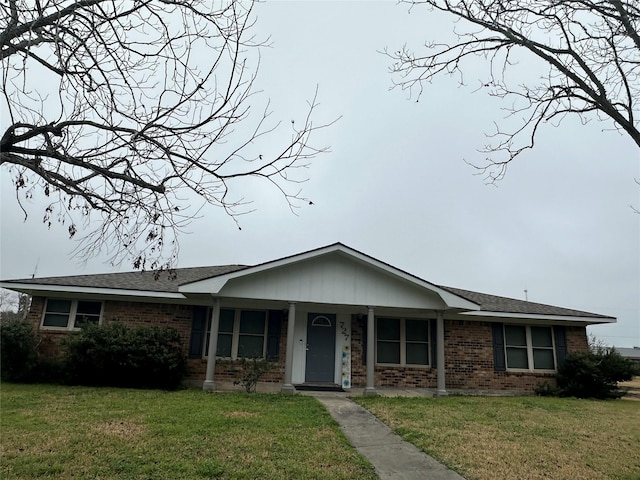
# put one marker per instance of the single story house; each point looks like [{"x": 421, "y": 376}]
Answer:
[
  {"x": 632, "y": 354},
  {"x": 329, "y": 316}
]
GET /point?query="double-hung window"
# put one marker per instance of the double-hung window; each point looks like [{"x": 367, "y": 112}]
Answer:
[
  {"x": 402, "y": 341},
  {"x": 241, "y": 334},
  {"x": 529, "y": 348},
  {"x": 71, "y": 314}
]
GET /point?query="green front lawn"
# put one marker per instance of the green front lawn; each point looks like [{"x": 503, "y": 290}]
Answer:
[
  {"x": 58, "y": 432},
  {"x": 488, "y": 438}
]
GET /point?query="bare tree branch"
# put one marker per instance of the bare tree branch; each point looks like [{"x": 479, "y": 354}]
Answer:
[
  {"x": 591, "y": 49},
  {"x": 134, "y": 115}
]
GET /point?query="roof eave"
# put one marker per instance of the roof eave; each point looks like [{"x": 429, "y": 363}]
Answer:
[
  {"x": 42, "y": 289},
  {"x": 536, "y": 316}
]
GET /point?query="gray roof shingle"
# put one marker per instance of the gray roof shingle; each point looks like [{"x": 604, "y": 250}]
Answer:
[
  {"x": 494, "y": 303},
  {"x": 166, "y": 281},
  {"x": 169, "y": 282}
]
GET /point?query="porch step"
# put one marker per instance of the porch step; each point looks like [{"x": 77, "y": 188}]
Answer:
[{"x": 319, "y": 387}]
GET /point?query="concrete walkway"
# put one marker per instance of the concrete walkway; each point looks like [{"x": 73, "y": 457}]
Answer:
[{"x": 392, "y": 457}]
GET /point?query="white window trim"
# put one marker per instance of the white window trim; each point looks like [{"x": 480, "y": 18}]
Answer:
[
  {"x": 235, "y": 337},
  {"x": 530, "y": 350},
  {"x": 403, "y": 344},
  {"x": 72, "y": 315}
]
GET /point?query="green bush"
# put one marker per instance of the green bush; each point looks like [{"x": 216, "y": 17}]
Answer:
[
  {"x": 595, "y": 374},
  {"x": 18, "y": 353},
  {"x": 251, "y": 370},
  {"x": 122, "y": 356}
]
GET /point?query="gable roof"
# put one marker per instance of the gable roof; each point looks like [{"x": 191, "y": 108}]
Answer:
[
  {"x": 180, "y": 281},
  {"x": 337, "y": 250}
]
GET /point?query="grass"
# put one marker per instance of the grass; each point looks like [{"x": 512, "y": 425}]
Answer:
[
  {"x": 486, "y": 438},
  {"x": 58, "y": 432}
]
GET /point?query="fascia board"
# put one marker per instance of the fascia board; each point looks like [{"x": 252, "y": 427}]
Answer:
[
  {"x": 30, "y": 287},
  {"x": 533, "y": 316}
]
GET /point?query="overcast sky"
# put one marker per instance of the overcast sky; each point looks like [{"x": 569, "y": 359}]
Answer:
[{"x": 396, "y": 186}]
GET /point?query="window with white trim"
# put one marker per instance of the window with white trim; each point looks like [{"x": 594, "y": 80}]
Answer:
[
  {"x": 529, "y": 348},
  {"x": 68, "y": 314},
  {"x": 402, "y": 341},
  {"x": 241, "y": 334}
]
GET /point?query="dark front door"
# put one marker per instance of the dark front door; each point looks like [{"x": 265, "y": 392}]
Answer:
[{"x": 321, "y": 347}]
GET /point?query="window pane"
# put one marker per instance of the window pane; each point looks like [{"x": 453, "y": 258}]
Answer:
[
  {"x": 250, "y": 346},
  {"x": 515, "y": 335},
  {"x": 84, "y": 320},
  {"x": 89, "y": 308},
  {"x": 252, "y": 322},
  {"x": 87, "y": 313},
  {"x": 389, "y": 329},
  {"x": 224, "y": 345},
  {"x": 541, "y": 337},
  {"x": 388, "y": 352},
  {"x": 417, "y": 330},
  {"x": 418, "y": 353},
  {"x": 517, "y": 358},
  {"x": 543, "y": 359},
  {"x": 226, "y": 320},
  {"x": 58, "y": 306},
  {"x": 55, "y": 320}
]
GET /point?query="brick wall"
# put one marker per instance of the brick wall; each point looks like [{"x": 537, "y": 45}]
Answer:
[
  {"x": 230, "y": 370},
  {"x": 468, "y": 360},
  {"x": 468, "y": 350},
  {"x": 142, "y": 314}
]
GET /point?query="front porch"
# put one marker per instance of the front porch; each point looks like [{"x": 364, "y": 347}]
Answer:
[{"x": 331, "y": 344}]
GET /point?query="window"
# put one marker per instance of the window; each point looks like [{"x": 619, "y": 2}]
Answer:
[
  {"x": 71, "y": 314},
  {"x": 402, "y": 341},
  {"x": 241, "y": 334},
  {"x": 529, "y": 348}
]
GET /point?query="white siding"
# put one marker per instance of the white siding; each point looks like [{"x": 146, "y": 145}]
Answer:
[{"x": 333, "y": 279}]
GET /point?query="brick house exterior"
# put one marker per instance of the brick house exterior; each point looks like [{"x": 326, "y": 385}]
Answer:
[{"x": 420, "y": 335}]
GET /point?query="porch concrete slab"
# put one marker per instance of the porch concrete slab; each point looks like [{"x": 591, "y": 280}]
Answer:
[{"x": 392, "y": 457}]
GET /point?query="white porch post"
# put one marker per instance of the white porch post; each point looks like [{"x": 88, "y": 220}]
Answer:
[
  {"x": 371, "y": 360},
  {"x": 441, "y": 390},
  {"x": 209, "y": 384},
  {"x": 288, "y": 387}
]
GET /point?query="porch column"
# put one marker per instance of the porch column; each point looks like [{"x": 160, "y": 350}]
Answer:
[
  {"x": 288, "y": 387},
  {"x": 371, "y": 352},
  {"x": 209, "y": 385},
  {"x": 441, "y": 390}
]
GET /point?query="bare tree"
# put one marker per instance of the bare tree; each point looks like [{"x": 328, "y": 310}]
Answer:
[
  {"x": 590, "y": 50},
  {"x": 130, "y": 116},
  {"x": 13, "y": 305}
]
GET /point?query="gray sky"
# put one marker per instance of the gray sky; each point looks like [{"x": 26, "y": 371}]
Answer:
[{"x": 396, "y": 186}]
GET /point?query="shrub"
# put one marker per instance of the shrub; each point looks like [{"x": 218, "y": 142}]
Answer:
[
  {"x": 122, "y": 356},
  {"x": 545, "y": 389},
  {"x": 251, "y": 370},
  {"x": 18, "y": 353},
  {"x": 595, "y": 374}
]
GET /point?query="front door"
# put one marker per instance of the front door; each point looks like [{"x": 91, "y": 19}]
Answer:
[{"x": 321, "y": 348}]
